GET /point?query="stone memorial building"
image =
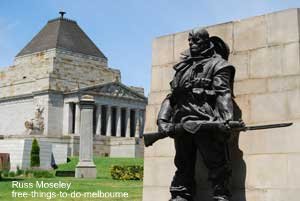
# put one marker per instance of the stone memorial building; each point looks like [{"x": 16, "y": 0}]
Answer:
[
  {"x": 41, "y": 90},
  {"x": 265, "y": 52}
]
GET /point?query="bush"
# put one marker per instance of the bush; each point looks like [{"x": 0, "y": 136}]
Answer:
[
  {"x": 28, "y": 173},
  {"x": 19, "y": 171},
  {"x": 5, "y": 173},
  {"x": 35, "y": 154},
  {"x": 132, "y": 172},
  {"x": 0, "y": 174},
  {"x": 38, "y": 174},
  {"x": 11, "y": 174}
]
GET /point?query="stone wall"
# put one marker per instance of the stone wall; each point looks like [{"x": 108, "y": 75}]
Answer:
[
  {"x": 14, "y": 112},
  {"x": 71, "y": 71},
  {"x": 60, "y": 153},
  {"x": 19, "y": 151},
  {"x": 126, "y": 147},
  {"x": 29, "y": 73},
  {"x": 55, "y": 114},
  {"x": 54, "y": 69},
  {"x": 13, "y": 115},
  {"x": 265, "y": 52}
]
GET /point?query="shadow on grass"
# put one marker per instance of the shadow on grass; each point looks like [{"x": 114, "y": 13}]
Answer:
[
  {"x": 11, "y": 179},
  {"x": 103, "y": 177}
]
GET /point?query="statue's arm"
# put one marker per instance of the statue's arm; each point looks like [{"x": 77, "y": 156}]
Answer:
[
  {"x": 166, "y": 110},
  {"x": 164, "y": 119},
  {"x": 222, "y": 88}
]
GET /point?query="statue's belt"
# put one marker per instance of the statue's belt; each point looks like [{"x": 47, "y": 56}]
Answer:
[
  {"x": 201, "y": 82},
  {"x": 197, "y": 91},
  {"x": 200, "y": 91}
]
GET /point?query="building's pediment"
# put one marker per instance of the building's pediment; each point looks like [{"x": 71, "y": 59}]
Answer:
[{"x": 114, "y": 89}]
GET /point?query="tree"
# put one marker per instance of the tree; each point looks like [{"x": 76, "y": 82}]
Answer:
[{"x": 35, "y": 154}]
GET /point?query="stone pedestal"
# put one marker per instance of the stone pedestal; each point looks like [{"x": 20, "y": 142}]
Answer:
[{"x": 86, "y": 167}]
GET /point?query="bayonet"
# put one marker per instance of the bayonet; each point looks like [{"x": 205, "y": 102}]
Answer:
[{"x": 267, "y": 126}]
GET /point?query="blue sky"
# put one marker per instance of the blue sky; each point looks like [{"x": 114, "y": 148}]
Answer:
[{"x": 123, "y": 29}]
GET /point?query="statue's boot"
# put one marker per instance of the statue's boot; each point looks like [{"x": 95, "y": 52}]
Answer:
[{"x": 221, "y": 198}]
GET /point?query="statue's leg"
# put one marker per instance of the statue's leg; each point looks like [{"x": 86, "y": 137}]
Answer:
[
  {"x": 183, "y": 183},
  {"x": 216, "y": 158}
]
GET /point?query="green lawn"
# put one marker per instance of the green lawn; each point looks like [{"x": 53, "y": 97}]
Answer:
[{"x": 103, "y": 183}]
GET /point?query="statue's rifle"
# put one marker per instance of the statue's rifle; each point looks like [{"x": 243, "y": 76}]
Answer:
[{"x": 151, "y": 138}]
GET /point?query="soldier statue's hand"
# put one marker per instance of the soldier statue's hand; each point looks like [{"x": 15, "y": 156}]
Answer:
[
  {"x": 166, "y": 128},
  {"x": 242, "y": 124},
  {"x": 223, "y": 127}
]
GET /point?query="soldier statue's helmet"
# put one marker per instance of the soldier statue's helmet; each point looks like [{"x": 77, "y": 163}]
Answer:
[
  {"x": 220, "y": 46},
  {"x": 199, "y": 34}
]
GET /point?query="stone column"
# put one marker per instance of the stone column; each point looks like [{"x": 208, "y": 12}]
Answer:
[
  {"x": 67, "y": 118},
  {"x": 118, "y": 122},
  {"x": 98, "y": 116},
  {"x": 86, "y": 167},
  {"x": 108, "y": 121},
  {"x": 127, "y": 122},
  {"x": 137, "y": 123},
  {"x": 142, "y": 120},
  {"x": 77, "y": 118}
]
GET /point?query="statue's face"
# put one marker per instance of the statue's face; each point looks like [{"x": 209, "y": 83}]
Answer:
[{"x": 197, "y": 44}]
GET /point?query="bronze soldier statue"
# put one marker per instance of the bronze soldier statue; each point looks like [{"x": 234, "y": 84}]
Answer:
[{"x": 197, "y": 113}]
